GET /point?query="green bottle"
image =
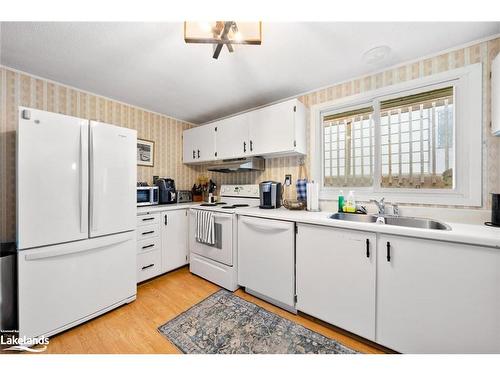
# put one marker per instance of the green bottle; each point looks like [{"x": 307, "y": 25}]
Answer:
[{"x": 341, "y": 201}]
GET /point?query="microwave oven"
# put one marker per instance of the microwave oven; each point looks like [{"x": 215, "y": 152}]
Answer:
[{"x": 147, "y": 195}]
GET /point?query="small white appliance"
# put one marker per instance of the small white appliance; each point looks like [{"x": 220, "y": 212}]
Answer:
[
  {"x": 218, "y": 263},
  {"x": 76, "y": 220}
]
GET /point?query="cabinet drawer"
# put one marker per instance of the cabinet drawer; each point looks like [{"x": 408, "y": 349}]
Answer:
[
  {"x": 149, "y": 244},
  {"x": 148, "y": 265},
  {"x": 148, "y": 219},
  {"x": 147, "y": 231}
]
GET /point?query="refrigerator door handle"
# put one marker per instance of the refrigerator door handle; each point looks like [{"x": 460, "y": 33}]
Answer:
[
  {"x": 93, "y": 224},
  {"x": 82, "y": 180},
  {"x": 63, "y": 250}
]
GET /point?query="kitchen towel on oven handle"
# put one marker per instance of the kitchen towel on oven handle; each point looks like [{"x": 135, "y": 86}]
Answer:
[{"x": 205, "y": 227}]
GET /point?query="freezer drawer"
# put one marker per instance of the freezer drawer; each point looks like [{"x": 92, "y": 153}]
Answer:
[{"x": 63, "y": 285}]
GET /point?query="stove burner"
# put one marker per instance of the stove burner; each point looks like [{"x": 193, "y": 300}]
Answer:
[
  {"x": 228, "y": 207},
  {"x": 219, "y": 203}
]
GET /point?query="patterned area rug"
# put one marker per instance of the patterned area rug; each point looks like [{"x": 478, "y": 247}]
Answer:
[{"x": 224, "y": 323}]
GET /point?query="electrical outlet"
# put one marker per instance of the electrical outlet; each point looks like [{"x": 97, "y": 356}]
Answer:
[{"x": 288, "y": 179}]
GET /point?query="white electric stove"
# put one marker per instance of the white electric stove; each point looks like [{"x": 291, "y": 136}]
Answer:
[{"x": 218, "y": 263}]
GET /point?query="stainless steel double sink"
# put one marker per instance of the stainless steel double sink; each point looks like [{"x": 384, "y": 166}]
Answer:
[{"x": 402, "y": 221}]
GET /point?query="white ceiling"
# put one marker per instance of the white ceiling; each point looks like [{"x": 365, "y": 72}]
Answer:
[{"x": 149, "y": 65}]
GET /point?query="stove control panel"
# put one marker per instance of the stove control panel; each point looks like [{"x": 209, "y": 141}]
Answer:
[{"x": 250, "y": 191}]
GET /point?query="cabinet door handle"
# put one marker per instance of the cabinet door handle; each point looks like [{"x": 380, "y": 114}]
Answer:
[
  {"x": 198, "y": 154},
  {"x": 148, "y": 246},
  {"x": 149, "y": 232},
  {"x": 148, "y": 266},
  {"x": 147, "y": 219},
  {"x": 244, "y": 147},
  {"x": 251, "y": 145},
  {"x": 367, "y": 248},
  {"x": 388, "y": 251},
  {"x": 194, "y": 154},
  {"x": 166, "y": 220}
]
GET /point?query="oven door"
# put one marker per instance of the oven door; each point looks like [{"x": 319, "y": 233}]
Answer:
[{"x": 222, "y": 251}]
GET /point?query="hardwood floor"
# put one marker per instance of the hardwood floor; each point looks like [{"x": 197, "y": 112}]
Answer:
[{"x": 133, "y": 328}]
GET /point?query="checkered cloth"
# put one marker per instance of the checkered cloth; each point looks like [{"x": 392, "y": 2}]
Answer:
[{"x": 301, "y": 186}]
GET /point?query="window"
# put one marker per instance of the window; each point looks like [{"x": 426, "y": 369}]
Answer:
[
  {"x": 414, "y": 142},
  {"x": 417, "y": 140},
  {"x": 348, "y": 148}
]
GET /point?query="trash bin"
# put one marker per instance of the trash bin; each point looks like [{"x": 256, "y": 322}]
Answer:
[{"x": 8, "y": 287}]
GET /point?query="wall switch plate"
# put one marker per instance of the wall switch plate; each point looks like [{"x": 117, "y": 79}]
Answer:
[{"x": 288, "y": 179}]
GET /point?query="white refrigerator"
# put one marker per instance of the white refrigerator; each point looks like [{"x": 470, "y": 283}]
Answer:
[{"x": 76, "y": 219}]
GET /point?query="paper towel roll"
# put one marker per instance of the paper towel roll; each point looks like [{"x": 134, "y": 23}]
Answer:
[{"x": 312, "y": 189}]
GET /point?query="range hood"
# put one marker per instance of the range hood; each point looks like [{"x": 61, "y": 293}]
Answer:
[{"x": 237, "y": 165}]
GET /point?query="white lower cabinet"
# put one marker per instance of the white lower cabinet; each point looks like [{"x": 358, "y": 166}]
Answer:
[
  {"x": 266, "y": 259},
  {"x": 336, "y": 271},
  {"x": 174, "y": 239},
  {"x": 162, "y": 242},
  {"x": 437, "y": 297}
]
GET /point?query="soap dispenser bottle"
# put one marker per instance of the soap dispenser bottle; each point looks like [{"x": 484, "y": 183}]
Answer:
[{"x": 351, "y": 203}]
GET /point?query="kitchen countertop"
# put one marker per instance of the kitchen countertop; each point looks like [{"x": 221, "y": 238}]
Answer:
[
  {"x": 165, "y": 207},
  {"x": 472, "y": 234}
]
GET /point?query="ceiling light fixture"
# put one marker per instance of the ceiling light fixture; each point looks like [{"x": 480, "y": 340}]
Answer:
[{"x": 220, "y": 33}]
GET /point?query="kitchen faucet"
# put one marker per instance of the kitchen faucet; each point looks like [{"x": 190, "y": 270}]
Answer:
[
  {"x": 381, "y": 207},
  {"x": 380, "y": 204}
]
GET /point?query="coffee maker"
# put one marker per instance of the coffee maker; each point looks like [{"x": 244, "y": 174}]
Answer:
[
  {"x": 166, "y": 189},
  {"x": 270, "y": 194}
]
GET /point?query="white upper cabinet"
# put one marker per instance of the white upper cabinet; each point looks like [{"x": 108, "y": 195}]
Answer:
[
  {"x": 276, "y": 130},
  {"x": 232, "y": 137},
  {"x": 199, "y": 144}
]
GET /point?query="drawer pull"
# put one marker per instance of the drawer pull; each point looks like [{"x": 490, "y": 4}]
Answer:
[
  {"x": 149, "y": 232},
  {"x": 367, "y": 248},
  {"x": 148, "y": 246},
  {"x": 388, "y": 251},
  {"x": 148, "y": 266},
  {"x": 149, "y": 218}
]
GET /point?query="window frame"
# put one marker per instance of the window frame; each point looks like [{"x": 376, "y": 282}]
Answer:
[{"x": 467, "y": 83}]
